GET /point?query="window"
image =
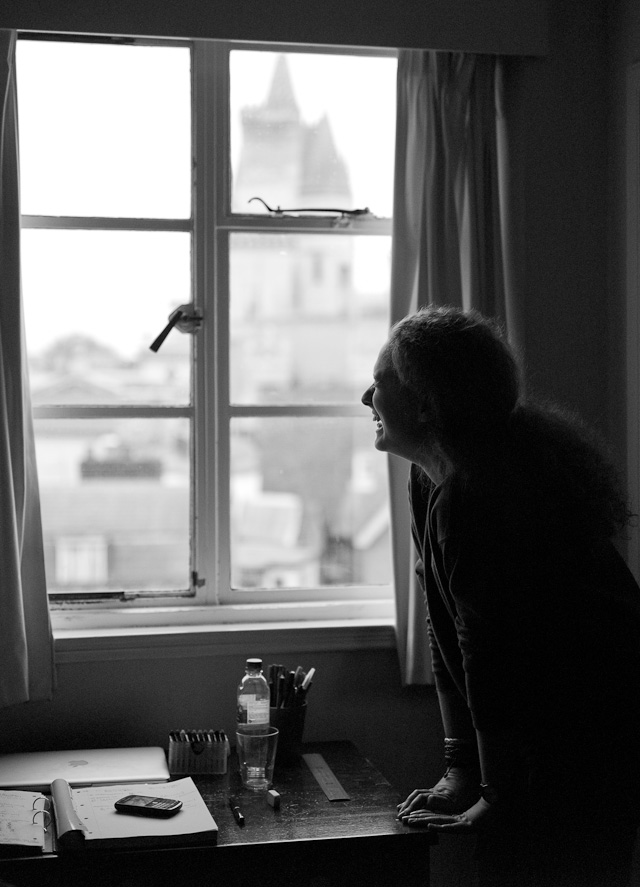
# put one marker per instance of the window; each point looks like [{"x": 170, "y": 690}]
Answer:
[{"x": 233, "y": 465}]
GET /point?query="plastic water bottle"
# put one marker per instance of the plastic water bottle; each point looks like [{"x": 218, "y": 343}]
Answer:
[{"x": 253, "y": 698}]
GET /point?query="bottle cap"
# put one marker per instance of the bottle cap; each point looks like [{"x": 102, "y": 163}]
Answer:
[{"x": 254, "y": 663}]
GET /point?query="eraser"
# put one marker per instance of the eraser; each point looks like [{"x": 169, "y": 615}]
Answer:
[{"x": 273, "y": 799}]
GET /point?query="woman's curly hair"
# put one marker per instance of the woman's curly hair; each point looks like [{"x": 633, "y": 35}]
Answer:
[{"x": 468, "y": 382}]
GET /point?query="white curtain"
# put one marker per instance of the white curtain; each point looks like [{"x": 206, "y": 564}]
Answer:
[
  {"x": 448, "y": 225},
  {"x": 26, "y": 643}
]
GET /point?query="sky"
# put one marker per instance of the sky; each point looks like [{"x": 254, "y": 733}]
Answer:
[{"x": 101, "y": 126}]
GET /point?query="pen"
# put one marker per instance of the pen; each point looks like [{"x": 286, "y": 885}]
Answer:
[
  {"x": 280, "y": 690},
  {"x": 288, "y": 690},
  {"x": 298, "y": 676},
  {"x": 237, "y": 812}
]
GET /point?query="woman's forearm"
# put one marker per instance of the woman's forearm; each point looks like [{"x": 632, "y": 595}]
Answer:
[{"x": 456, "y": 718}]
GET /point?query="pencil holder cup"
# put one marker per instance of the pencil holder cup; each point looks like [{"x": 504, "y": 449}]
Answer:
[{"x": 290, "y": 723}]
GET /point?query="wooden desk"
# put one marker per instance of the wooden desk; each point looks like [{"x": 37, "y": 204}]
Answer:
[{"x": 309, "y": 842}]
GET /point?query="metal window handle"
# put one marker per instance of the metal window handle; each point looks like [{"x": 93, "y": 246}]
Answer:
[
  {"x": 278, "y": 211},
  {"x": 186, "y": 318}
]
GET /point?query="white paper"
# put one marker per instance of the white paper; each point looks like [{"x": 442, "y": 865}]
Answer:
[
  {"x": 22, "y": 818},
  {"x": 95, "y": 808}
]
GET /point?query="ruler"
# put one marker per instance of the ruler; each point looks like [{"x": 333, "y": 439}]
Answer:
[{"x": 326, "y": 778}]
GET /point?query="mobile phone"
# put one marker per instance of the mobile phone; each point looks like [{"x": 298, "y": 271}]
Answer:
[{"x": 145, "y": 805}]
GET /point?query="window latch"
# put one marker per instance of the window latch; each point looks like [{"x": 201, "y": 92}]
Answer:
[
  {"x": 186, "y": 318},
  {"x": 344, "y": 213}
]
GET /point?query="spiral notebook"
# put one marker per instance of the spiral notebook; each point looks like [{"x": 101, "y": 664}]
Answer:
[
  {"x": 85, "y": 818},
  {"x": 25, "y": 819}
]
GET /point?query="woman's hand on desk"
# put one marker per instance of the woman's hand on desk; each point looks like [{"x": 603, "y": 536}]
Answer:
[
  {"x": 454, "y": 793},
  {"x": 480, "y": 817}
]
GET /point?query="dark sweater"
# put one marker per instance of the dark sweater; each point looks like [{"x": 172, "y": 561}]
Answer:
[{"x": 535, "y": 626}]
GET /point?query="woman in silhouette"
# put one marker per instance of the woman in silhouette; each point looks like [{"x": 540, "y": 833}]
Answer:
[{"x": 533, "y": 618}]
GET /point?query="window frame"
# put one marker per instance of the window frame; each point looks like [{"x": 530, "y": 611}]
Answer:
[{"x": 210, "y": 598}]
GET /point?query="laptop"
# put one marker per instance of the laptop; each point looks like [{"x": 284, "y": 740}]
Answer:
[{"x": 83, "y": 767}]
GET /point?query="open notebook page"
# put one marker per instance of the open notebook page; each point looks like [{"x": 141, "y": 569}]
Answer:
[{"x": 23, "y": 818}]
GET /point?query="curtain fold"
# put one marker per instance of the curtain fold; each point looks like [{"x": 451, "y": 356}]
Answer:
[
  {"x": 26, "y": 642},
  {"x": 448, "y": 248}
]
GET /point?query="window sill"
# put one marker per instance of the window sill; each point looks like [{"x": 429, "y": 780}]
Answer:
[{"x": 207, "y": 632}]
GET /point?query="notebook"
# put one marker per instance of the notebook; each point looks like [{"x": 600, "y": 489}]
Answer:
[
  {"x": 85, "y": 818},
  {"x": 83, "y": 767}
]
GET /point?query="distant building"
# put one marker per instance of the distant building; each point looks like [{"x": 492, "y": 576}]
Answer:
[{"x": 291, "y": 295}]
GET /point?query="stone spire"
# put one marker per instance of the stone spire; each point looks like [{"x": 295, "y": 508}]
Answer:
[
  {"x": 281, "y": 102},
  {"x": 285, "y": 160}
]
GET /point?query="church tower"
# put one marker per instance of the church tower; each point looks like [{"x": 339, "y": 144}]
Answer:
[
  {"x": 287, "y": 162},
  {"x": 290, "y": 293}
]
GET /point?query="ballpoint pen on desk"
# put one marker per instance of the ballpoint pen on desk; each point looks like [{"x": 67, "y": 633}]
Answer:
[{"x": 235, "y": 809}]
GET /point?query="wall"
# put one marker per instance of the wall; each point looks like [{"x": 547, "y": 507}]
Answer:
[
  {"x": 557, "y": 109},
  {"x": 504, "y": 26},
  {"x": 569, "y": 222},
  {"x": 624, "y": 50}
]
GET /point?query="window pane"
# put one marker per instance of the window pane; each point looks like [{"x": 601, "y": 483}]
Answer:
[
  {"x": 94, "y": 302},
  {"x": 115, "y": 503},
  {"x": 309, "y": 504},
  {"x": 104, "y": 130},
  {"x": 312, "y": 130},
  {"x": 309, "y": 313}
]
